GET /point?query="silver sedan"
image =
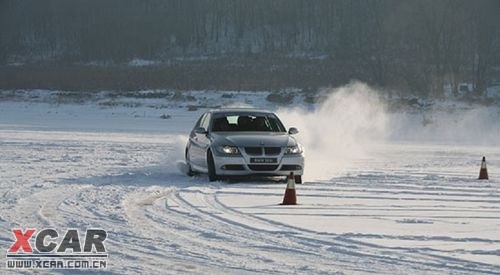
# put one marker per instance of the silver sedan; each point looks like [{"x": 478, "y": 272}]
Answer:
[{"x": 236, "y": 142}]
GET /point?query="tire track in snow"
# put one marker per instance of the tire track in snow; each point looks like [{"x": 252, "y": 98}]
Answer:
[
  {"x": 153, "y": 243},
  {"x": 278, "y": 243},
  {"x": 42, "y": 208},
  {"x": 150, "y": 213},
  {"x": 351, "y": 246},
  {"x": 309, "y": 243}
]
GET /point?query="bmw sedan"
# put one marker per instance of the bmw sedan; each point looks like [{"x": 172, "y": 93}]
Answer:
[{"x": 238, "y": 142}]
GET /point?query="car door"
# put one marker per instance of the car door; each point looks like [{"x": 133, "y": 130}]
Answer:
[
  {"x": 203, "y": 141},
  {"x": 193, "y": 147},
  {"x": 198, "y": 142}
]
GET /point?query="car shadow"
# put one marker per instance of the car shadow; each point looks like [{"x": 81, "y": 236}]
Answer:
[
  {"x": 165, "y": 176},
  {"x": 141, "y": 176},
  {"x": 254, "y": 179}
]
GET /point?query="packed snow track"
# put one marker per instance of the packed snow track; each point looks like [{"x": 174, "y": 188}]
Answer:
[{"x": 411, "y": 208}]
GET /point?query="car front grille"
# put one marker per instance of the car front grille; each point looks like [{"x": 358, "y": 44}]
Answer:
[
  {"x": 234, "y": 167},
  {"x": 287, "y": 167},
  {"x": 254, "y": 151},
  {"x": 272, "y": 150},
  {"x": 263, "y": 167},
  {"x": 257, "y": 151}
]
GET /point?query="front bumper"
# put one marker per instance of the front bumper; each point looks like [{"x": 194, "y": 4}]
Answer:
[{"x": 241, "y": 164}]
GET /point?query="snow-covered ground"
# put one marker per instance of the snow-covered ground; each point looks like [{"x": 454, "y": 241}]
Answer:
[{"x": 400, "y": 207}]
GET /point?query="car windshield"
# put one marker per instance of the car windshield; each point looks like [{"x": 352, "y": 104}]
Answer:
[{"x": 246, "y": 123}]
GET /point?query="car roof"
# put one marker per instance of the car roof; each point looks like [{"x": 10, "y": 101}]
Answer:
[{"x": 239, "y": 110}]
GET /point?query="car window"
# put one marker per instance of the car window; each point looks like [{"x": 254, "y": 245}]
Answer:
[
  {"x": 247, "y": 123},
  {"x": 198, "y": 123},
  {"x": 206, "y": 121}
]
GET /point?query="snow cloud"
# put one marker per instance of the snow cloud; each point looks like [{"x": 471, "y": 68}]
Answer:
[
  {"x": 344, "y": 127},
  {"x": 448, "y": 123},
  {"x": 352, "y": 121}
]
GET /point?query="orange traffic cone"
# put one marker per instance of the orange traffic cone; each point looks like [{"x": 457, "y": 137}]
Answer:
[
  {"x": 290, "y": 197},
  {"x": 483, "y": 173}
]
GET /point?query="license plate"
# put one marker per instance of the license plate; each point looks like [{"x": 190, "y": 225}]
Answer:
[{"x": 263, "y": 160}]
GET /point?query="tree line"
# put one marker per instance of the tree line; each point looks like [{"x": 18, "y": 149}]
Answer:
[{"x": 419, "y": 45}]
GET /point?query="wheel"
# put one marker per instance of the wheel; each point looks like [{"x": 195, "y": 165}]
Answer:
[
  {"x": 212, "y": 176},
  {"x": 298, "y": 179},
  {"x": 190, "y": 171}
]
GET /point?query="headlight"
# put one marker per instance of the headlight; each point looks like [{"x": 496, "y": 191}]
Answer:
[
  {"x": 229, "y": 150},
  {"x": 293, "y": 150}
]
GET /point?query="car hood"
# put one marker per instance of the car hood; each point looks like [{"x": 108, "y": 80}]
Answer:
[{"x": 254, "y": 139}]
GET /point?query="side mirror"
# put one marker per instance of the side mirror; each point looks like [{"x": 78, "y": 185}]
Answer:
[
  {"x": 200, "y": 131},
  {"x": 293, "y": 131}
]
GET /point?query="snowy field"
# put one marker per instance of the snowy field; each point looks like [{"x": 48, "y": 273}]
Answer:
[{"x": 399, "y": 207}]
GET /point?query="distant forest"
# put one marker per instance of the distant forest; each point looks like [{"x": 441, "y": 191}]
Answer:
[{"x": 416, "y": 46}]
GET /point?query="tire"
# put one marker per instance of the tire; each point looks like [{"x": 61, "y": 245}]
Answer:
[
  {"x": 212, "y": 176},
  {"x": 298, "y": 179},
  {"x": 190, "y": 171}
]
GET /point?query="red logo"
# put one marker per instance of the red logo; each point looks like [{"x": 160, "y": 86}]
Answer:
[{"x": 22, "y": 240}]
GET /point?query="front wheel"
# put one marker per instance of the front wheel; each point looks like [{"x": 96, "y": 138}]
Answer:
[
  {"x": 298, "y": 179},
  {"x": 190, "y": 171},
  {"x": 212, "y": 176}
]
